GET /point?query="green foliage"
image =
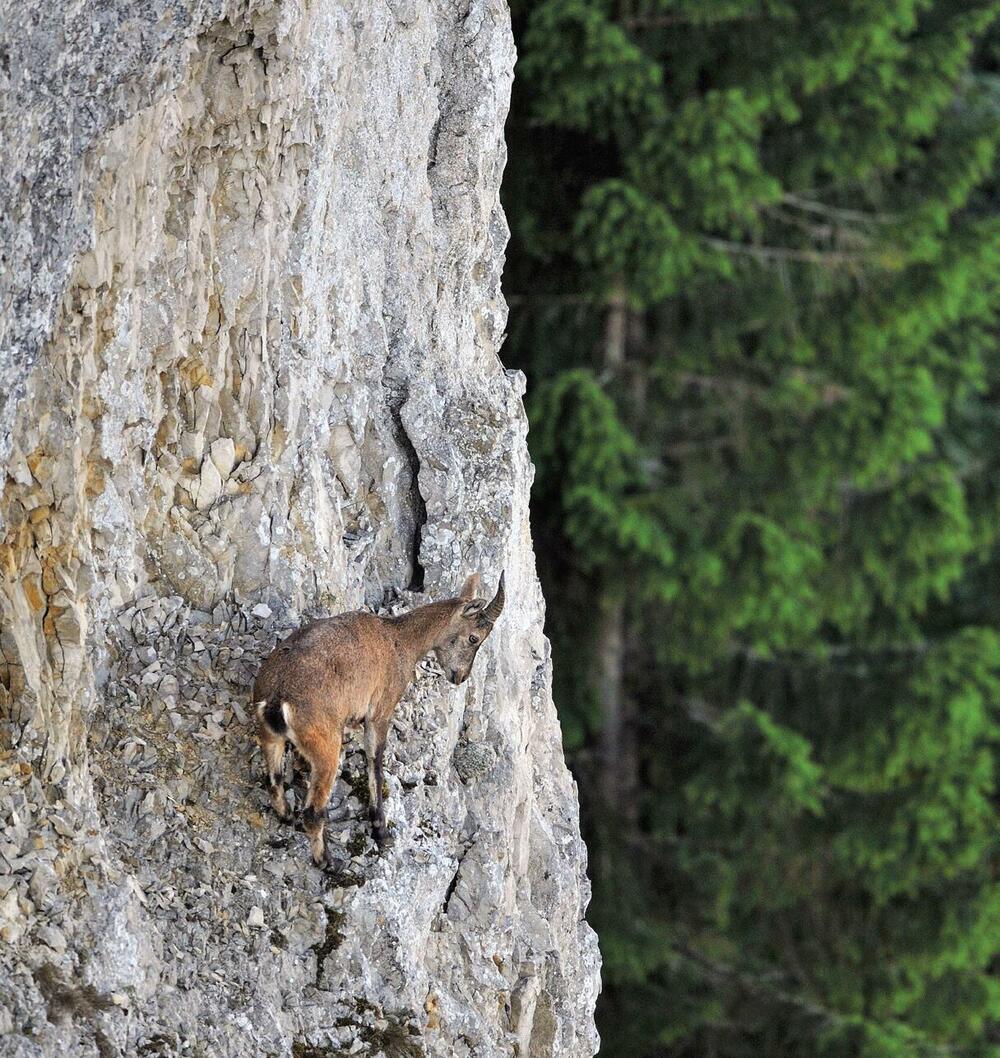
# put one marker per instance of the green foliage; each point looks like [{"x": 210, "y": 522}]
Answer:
[
  {"x": 791, "y": 482},
  {"x": 760, "y": 776},
  {"x": 589, "y": 473},
  {"x": 599, "y": 80},
  {"x": 622, "y": 232}
]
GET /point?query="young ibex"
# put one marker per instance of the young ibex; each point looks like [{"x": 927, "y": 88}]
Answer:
[{"x": 350, "y": 669}]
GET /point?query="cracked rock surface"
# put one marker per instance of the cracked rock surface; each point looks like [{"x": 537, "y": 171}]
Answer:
[{"x": 249, "y": 315}]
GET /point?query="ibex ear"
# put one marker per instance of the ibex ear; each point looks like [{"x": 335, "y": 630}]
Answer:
[
  {"x": 473, "y": 606},
  {"x": 470, "y": 587}
]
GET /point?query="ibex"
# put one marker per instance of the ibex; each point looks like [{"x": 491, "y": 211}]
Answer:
[{"x": 350, "y": 669}]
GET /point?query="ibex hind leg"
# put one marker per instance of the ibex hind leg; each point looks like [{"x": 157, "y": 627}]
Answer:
[{"x": 272, "y": 745}]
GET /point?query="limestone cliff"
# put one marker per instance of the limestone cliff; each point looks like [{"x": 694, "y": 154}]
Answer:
[{"x": 249, "y": 321}]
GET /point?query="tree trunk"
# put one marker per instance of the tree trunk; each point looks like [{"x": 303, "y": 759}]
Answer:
[
  {"x": 614, "y": 760},
  {"x": 616, "y": 329},
  {"x": 617, "y": 762}
]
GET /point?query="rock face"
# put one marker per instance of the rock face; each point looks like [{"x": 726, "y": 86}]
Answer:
[{"x": 249, "y": 317}]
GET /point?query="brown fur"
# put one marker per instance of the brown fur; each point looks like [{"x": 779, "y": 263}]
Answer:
[{"x": 354, "y": 668}]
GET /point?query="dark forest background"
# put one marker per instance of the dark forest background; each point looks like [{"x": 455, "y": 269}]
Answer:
[{"x": 753, "y": 277}]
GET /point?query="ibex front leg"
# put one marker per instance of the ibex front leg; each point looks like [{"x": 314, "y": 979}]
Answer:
[
  {"x": 376, "y": 732},
  {"x": 324, "y": 760}
]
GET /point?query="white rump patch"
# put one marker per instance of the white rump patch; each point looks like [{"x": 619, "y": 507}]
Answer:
[{"x": 286, "y": 713}]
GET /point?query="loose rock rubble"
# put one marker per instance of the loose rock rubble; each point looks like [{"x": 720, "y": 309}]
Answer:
[
  {"x": 183, "y": 894},
  {"x": 249, "y": 374}
]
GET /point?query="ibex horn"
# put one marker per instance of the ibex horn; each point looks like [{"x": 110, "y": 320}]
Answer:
[{"x": 493, "y": 611}]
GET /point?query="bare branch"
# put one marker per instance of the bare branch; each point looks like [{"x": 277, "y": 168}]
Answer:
[
  {"x": 838, "y": 258},
  {"x": 853, "y": 215},
  {"x": 662, "y": 21},
  {"x": 554, "y": 299}
]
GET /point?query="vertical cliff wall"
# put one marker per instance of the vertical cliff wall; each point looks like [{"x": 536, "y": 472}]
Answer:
[{"x": 249, "y": 321}]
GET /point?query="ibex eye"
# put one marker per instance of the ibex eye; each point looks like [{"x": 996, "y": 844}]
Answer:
[{"x": 473, "y": 639}]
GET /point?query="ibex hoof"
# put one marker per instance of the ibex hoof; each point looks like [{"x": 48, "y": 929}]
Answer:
[
  {"x": 332, "y": 863},
  {"x": 384, "y": 838}
]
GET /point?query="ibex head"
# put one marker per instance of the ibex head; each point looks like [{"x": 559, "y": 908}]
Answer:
[{"x": 467, "y": 631}]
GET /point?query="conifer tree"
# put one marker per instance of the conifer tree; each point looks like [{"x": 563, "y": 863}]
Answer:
[{"x": 754, "y": 272}]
